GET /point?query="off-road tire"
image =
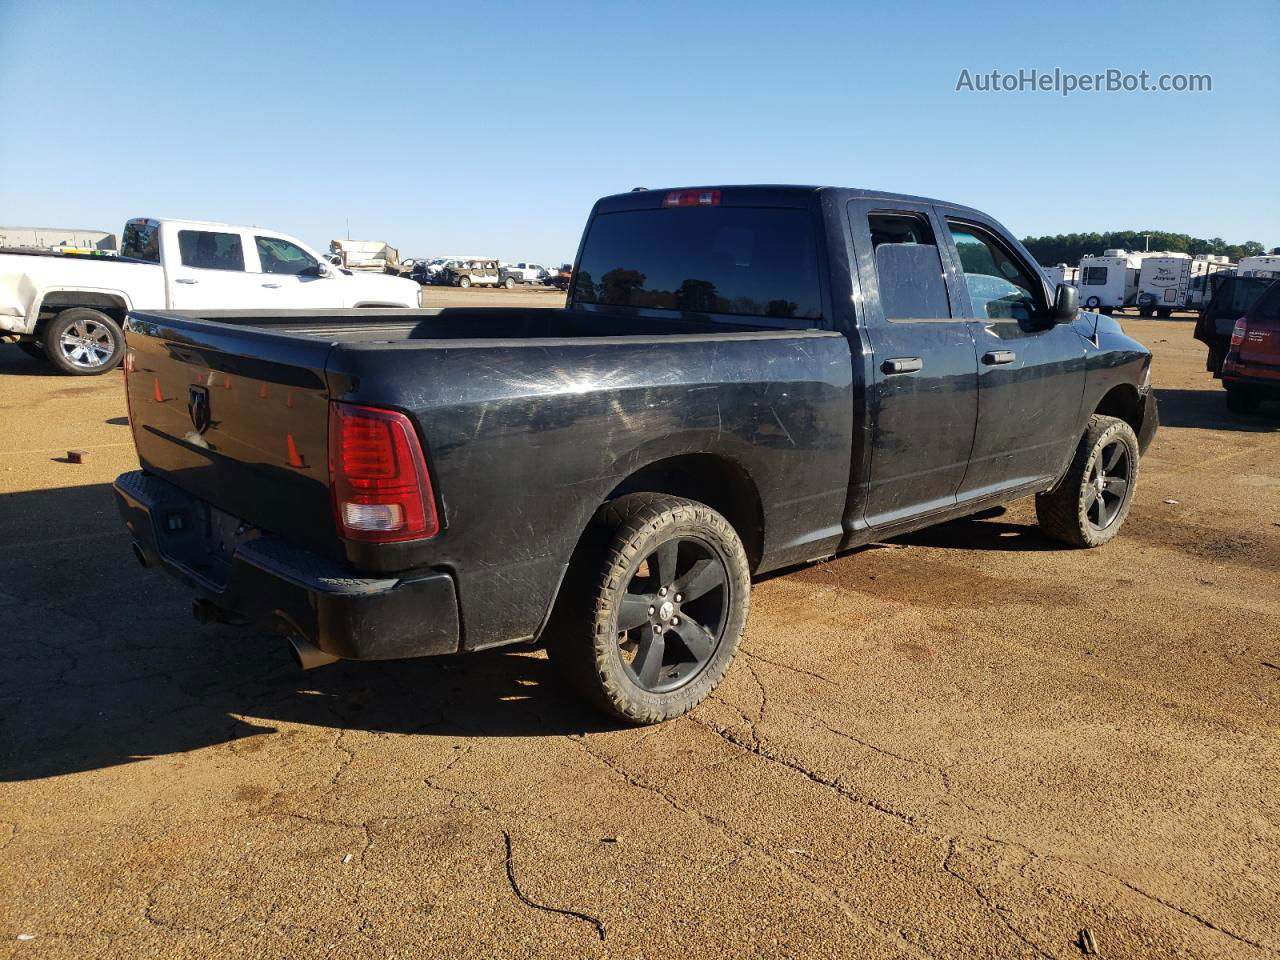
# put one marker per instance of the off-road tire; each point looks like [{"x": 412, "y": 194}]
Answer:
[
  {"x": 89, "y": 319},
  {"x": 1242, "y": 401},
  {"x": 1063, "y": 511},
  {"x": 583, "y": 636}
]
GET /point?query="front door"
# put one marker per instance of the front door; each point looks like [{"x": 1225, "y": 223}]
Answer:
[
  {"x": 290, "y": 277},
  {"x": 1031, "y": 371},
  {"x": 924, "y": 394}
]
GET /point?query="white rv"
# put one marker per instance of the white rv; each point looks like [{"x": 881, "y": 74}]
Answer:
[
  {"x": 1267, "y": 267},
  {"x": 1109, "y": 282},
  {"x": 1175, "y": 281},
  {"x": 1061, "y": 273}
]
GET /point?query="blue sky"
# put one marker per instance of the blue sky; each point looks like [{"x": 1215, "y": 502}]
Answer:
[{"x": 490, "y": 128}]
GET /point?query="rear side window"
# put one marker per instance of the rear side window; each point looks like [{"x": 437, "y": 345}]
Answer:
[
  {"x": 1093, "y": 277},
  {"x": 745, "y": 261},
  {"x": 908, "y": 268},
  {"x": 281, "y": 256},
  {"x": 1269, "y": 303},
  {"x": 207, "y": 250},
  {"x": 141, "y": 242}
]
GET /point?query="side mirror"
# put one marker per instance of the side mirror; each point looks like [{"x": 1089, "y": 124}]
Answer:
[
  {"x": 321, "y": 269},
  {"x": 1066, "y": 304}
]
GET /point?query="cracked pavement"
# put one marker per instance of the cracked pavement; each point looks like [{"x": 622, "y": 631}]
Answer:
[{"x": 964, "y": 743}]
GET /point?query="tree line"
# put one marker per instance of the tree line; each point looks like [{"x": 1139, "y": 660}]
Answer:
[{"x": 1070, "y": 247}]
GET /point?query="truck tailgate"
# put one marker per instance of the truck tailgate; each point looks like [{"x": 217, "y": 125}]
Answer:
[{"x": 236, "y": 416}]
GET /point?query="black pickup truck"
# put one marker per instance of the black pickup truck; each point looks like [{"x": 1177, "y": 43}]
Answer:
[{"x": 744, "y": 378}]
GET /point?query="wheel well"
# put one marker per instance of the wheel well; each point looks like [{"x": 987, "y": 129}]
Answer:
[
  {"x": 1123, "y": 403},
  {"x": 720, "y": 484},
  {"x": 56, "y": 301}
]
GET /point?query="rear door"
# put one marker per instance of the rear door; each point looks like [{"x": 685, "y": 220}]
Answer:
[
  {"x": 1031, "y": 371},
  {"x": 924, "y": 396},
  {"x": 208, "y": 270}
]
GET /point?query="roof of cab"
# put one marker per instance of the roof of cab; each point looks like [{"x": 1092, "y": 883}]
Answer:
[{"x": 765, "y": 194}]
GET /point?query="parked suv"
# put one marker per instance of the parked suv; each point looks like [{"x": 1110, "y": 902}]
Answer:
[{"x": 1251, "y": 369}]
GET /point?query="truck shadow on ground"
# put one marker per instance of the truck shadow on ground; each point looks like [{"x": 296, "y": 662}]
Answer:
[
  {"x": 1207, "y": 410},
  {"x": 105, "y": 666}
]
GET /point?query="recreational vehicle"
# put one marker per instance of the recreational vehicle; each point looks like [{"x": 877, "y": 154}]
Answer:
[
  {"x": 1175, "y": 281},
  {"x": 1061, "y": 273},
  {"x": 1109, "y": 282},
  {"x": 1267, "y": 267}
]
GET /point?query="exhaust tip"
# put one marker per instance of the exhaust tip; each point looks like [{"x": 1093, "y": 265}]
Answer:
[{"x": 308, "y": 656}]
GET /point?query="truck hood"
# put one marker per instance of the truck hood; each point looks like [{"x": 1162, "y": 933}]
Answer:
[{"x": 380, "y": 289}]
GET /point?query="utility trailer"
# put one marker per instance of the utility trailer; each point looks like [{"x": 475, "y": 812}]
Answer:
[
  {"x": 1176, "y": 281},
  {"x": 373, "y": 256}
]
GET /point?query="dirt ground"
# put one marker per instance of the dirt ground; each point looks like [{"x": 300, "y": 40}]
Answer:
[{"x": 967, "y": 742}]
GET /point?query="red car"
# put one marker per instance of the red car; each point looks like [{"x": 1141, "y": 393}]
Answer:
[{"x": 1251, "y": 368}]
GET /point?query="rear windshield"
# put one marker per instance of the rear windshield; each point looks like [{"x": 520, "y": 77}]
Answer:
[
  {"x": 141, "y": 242},
  {"x": 744, "y": 261}
]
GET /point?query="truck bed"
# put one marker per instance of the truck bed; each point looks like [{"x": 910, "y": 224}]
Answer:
[
  {"x": 529, "y": 418},
  {"x": 487, "y": 324}
]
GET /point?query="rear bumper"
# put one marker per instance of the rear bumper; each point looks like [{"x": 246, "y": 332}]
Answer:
[
  {"x": 1265, "y": 388},
  {"x": 285, "y": 590}
]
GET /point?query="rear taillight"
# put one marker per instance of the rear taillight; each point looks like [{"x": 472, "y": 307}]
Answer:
[
  {"x": 378, "y": 476},
  {"x": 1238, "y": 332},
  {"x": 692, "y": 198}
]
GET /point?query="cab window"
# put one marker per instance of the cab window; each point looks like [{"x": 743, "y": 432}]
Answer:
[
  {"x": 908, "y": 268},
  {"x": 1000, "y": 286},
  {"x": 209, "y": 250},
  {"x": 281, "y": 256}
]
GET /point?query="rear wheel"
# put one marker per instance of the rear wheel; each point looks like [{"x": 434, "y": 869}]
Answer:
[
  {"x": 1242, "y": 400},
  {"x": 656, "y": 607},
  {"x": 1090, "y": 503},
  {"x": 1146, "y": 311},
  {"x": 83, "y": 342},
  {"x": 1092, "y": 303}
]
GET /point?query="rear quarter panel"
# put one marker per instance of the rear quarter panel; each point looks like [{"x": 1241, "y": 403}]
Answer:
[{"x": 526, "y": 439}]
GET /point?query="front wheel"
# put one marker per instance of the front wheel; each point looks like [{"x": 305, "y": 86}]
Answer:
[
  {"x": 1090, "y": 503},
  {"x": 509, "y": 283},
  {"x": 464, "y": 282},
  {"x": 83, "y": 342},
  {"x": 657, "y": 607}
]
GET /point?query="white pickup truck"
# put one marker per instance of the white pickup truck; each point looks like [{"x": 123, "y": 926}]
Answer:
[{"x": 70, "y": 309}]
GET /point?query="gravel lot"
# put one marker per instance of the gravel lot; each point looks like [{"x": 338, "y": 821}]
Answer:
[{"x": 967, "y": 742}]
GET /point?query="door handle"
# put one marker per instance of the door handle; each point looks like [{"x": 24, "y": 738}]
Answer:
[
  {"x": 272, "y": 286},
  {"x": 185, "y": 280},
  {"x": 996, "y": 357},
  {"x": 902, "y": 365}
]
